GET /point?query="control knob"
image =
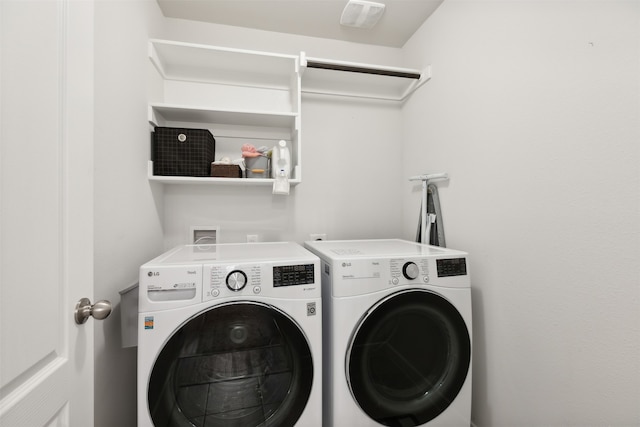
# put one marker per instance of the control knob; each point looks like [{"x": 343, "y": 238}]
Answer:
[
  {"x": 236, "y": 280},
  {"x": 410, "y": 270}
]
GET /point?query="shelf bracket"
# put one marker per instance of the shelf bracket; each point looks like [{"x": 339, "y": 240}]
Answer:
[
  {"x": 425, "y": 76},
  {"x": 155, "y": 60}
]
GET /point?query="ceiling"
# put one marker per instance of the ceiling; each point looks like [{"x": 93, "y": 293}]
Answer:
[{"x": 314, "y": 18}]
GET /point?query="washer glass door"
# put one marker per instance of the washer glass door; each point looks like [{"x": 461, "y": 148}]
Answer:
[
  {"x": 239, "y": 364},
  {"x": 408, "y": 358}
]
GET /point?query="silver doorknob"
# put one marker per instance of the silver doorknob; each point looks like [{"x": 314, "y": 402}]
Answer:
[{"x": 84, "y": 309}]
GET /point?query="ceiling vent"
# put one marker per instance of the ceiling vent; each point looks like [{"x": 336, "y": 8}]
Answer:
[{"x": 361, "y": 14}]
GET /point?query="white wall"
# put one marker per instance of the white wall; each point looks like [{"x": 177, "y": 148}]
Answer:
[
  {"x": 533, "y": 110},
  {"x": 128, "y": 210},
  {"x": 351, "y": 168},
  {"x": 351, "y": 165}
]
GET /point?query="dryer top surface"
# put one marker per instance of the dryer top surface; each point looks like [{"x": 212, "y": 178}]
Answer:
[{"x": 376, "y": 248}]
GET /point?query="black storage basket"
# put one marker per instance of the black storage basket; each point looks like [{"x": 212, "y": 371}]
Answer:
[{"x": 182, "y": 151}]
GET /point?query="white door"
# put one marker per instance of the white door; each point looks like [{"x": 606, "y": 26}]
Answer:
[{"x": 46, "y": 217}]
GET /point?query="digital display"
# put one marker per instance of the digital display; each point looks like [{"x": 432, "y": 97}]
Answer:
[
  {"x": 291, "y": 275},
  {"x": 451, "y": 267}
]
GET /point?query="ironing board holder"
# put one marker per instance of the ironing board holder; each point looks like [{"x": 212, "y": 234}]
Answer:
[{"x": 426, "y": 179}]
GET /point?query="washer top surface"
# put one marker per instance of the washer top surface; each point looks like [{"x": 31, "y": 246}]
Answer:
[
  {"x": 376, "y": 248},
  {"x": 234, "y": 253}
]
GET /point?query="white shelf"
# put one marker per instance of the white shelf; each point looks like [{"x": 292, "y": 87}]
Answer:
[
  {"x": 159, "y": 114},
  {"x": 214, "y": 180},
  {"x": 203, "y": 63},
  {"x": 241, "y": 96}
]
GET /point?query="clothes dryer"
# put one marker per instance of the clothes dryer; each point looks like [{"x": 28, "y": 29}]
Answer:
[
  {"x": 230, "y": 335},
  {"x": 397, "y": 334}
]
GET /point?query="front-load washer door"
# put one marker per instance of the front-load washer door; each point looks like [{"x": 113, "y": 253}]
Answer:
[
  {"x": 408, "y": 358},
  {"x": 238, "y": 364}
]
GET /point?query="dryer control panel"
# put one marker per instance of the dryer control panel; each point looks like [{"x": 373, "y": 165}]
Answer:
[
  {"x": 403, "y": 269},
  {"x": 452, "y": 267},
  {"x": 362, "y": 276}
]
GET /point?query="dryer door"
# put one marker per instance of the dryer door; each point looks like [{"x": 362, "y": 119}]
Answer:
[
  {"x": 239, "y": 364},
  {"x": 408, "y": 358}
]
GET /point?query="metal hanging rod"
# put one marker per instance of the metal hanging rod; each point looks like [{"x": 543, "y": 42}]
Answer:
[{"x": 363, "y": 70}]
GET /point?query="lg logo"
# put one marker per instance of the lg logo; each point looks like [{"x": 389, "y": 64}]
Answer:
[{"x": 153, "y": 273}]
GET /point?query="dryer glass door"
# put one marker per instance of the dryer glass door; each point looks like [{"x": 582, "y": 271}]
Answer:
[
  {"x": 408, "y": 358},
  {"x": 239, "y": 364}
]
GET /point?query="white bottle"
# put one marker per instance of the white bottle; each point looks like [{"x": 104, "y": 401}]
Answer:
[{"x": 281, "y": 160}]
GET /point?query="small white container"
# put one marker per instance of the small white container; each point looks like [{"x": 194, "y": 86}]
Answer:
[{"x": 257, "y": 167}]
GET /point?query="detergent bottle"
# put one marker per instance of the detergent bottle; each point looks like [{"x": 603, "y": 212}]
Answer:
[
  {"x": 281, "y": 168},
  {"x": 281, "y": 161}
]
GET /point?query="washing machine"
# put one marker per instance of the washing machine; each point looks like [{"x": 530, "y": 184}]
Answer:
[
  {"x": 397, "y": 333},
  {"x": 230, "y": 335}
]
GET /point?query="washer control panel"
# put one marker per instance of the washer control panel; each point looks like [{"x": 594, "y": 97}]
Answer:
[
  {"x": 225, "y": 280},
  {"x": 293, "y": 275},
  {"x": 264, "y": 279},
  {"x": 194, "y": 274}
]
